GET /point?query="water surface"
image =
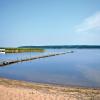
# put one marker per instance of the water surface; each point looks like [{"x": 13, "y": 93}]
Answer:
[{"x": 81, "y": 68}]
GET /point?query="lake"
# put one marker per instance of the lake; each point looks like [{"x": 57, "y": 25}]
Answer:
[{"x": 81, "y": 68}]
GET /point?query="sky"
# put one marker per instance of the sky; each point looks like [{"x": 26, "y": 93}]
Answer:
[{"x": 49, "y": 22}]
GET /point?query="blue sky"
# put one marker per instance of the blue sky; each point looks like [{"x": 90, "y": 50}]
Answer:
[{"x": 49, "y": 22}]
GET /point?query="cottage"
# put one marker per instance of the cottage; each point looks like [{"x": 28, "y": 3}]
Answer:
[{"x": 2, "y": 51}]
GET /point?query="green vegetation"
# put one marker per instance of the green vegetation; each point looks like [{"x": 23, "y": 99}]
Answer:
[{"x": 19, "y": 50}]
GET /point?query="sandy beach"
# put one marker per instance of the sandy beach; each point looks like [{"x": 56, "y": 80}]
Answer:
[{"x": 20, "y": 90}]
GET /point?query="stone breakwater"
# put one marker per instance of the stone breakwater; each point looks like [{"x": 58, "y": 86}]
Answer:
[{"x": 7, "y": 62}]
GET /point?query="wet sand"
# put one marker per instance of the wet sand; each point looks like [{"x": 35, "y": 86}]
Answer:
[{"x": 20, "y": 90}]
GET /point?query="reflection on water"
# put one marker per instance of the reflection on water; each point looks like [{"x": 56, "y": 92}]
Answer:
[{"x": 79, "y": 68}]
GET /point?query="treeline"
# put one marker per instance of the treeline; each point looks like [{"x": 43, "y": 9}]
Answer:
[{"x": 65, "y": 46}]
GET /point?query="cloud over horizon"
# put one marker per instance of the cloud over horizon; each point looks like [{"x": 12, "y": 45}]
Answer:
[{"x": 90, "y": 23}]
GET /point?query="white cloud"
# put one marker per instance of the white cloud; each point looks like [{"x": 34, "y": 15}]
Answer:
[{"x": 90, "y": 23}]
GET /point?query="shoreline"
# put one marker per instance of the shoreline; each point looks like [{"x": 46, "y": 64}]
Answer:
[
  {"x": 48, "y": 83},
  {"x": 42, "y": 90}
]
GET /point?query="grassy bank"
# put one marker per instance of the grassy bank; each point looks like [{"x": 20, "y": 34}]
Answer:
[
  {"x": 19, "y": 50},
  {"x": 35, "y": 91}
]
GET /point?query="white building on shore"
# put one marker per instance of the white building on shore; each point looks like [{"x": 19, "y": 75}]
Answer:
[{"x": 2, "y": 51}]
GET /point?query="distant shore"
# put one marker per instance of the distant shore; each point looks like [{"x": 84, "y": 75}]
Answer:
[
  {"x": 20, "y": 50},
  {"x": 21, "y": 90}
]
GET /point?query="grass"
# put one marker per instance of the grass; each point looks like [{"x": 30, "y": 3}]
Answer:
[{"x": 20, "y": 50}]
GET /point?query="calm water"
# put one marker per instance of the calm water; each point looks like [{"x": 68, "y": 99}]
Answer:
[{"x": 81, "y": 68}]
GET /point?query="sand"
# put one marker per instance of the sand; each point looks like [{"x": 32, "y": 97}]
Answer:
[{"x": 20, "y": 90}]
